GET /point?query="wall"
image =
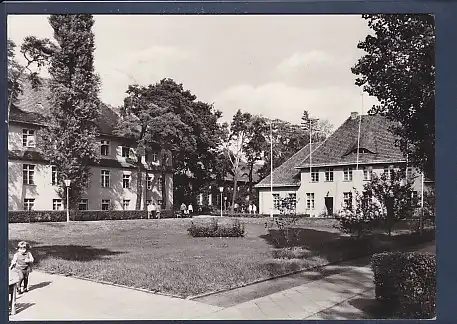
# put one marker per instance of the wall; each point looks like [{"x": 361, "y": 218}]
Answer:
[
  {"x": 323, "y": 189},
  {"x": 44, "y": 192}
]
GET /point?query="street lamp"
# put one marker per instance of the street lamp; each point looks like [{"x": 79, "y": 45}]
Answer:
[
  {"x": 67, "y": 184},
  {"x": 221, "y": 189}
]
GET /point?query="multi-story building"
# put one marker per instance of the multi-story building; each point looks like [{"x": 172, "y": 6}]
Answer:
[
  {"x": 32, "y": 181},
  {"x": 324, "y": 180}
]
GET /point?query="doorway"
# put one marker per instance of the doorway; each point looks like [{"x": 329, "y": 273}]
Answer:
[{"x": 329, "y": 205}]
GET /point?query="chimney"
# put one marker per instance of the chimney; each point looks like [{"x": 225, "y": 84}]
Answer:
[{"x": 354, "y": 115}]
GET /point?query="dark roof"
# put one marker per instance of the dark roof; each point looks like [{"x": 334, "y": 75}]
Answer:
[
  {"x": 286, "y": 174},
  {"x": 33, "y": 107},
  {"x": 377, "y": 143}
]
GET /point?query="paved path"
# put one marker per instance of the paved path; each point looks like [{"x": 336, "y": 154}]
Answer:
[{"x": 343, "y": 291}]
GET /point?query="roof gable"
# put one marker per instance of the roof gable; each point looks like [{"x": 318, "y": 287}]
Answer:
[
  {"x": 286, "y": 174},
  {"x": 377, "y": 142}
]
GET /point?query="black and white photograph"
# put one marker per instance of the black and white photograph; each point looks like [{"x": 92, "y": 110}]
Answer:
[{"x": 218, "y": 167}]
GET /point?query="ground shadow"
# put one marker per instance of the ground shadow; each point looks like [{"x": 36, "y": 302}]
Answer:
[
  {"x": 82, "y": 253},
  {"x": 370, "y": 307},
  {"x": 40, "y": 285},
  {"x": 335, "y": 247},
  {"x": 22, "y": 306}
]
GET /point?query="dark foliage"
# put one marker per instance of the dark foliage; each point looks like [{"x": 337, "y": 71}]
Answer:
[
  {"x": 214, "y": 229},
  {"x": 405, "y": 283}
]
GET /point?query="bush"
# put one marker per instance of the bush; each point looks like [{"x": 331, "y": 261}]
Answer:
[
  {"x": 405, "y": 283},
  {"x": 214, "y": 229},
  {"x": 35, "y": 216}
]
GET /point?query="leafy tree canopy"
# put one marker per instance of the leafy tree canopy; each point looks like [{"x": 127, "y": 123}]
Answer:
[{"x": 399, "y": 69}]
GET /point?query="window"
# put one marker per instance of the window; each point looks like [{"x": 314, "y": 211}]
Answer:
[
  {"x": 83, "y": 204},
  {"x": 125, "y": 150},
  {"x": 389, "y": 171},
  {"x": 329, "y": 175},
  {"x": 409, "y": 173},
  {"x": 28, "y": 203},
  {"x": 347, "y": 174},
  {"x": 293, "y": 200},
  {"x": 276, "y": 201},
  {"x": 154, "y": 156},
  {"x": 53, "y": 175},
  {"x": 28, "y": 173},
  {"x": 104, "y": 148},
  {"x": 366, "y": 173},
  {"x": 161, "y": 182},
  {"x": 105, "y": 178},
  {"x": 314, "y": 176},
  {"x": 57, "y": 204},
  {"x": 309, "y": 200},
  {"x": 126, "y": 181},
  {"x": 126, "y": 204},
  {"x": 28, "y": 138},
  {"x": 149, "y": 182},
  {"x": 347, "y": 199},
  {"x": 105, "y": 204}
]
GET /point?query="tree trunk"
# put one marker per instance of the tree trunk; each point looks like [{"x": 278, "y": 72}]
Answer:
[
  {"x": 139, "y": 182},
  {"x": 251, "y": 171},
  {"x": 163, "y": 187},
  {"x": 235, "y": 188}
]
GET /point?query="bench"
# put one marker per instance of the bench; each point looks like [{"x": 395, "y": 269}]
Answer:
[{"x": 13, "y": 280}]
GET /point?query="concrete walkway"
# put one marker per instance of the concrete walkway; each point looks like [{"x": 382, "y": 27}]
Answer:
[{"x": 342, "y": 291}]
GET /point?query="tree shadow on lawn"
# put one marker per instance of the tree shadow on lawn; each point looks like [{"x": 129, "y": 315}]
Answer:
[
  {"x": 82, "y": 253},
  {"x": 305, "y": 245}
]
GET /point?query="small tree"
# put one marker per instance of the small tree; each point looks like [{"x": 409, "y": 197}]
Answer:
[
  {"x": 386, "y": 199},
  {"x": 286, "y": 221}
]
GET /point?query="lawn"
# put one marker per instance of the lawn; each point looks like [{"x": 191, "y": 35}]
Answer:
[{"x": 159, "y": 255}]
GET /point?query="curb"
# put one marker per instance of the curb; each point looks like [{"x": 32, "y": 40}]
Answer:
[{"x": 107, "y": 283}]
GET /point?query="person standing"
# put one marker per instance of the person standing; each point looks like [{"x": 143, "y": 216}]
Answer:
[
  {"x": 183, "y": 209},
  {"x": 190, "y": 209},
  {"x": 250, "y": 208},
  {"x": 254, "y": 208}
]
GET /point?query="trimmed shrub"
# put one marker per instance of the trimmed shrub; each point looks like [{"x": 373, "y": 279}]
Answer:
[
  {"x": 35, "y": 216},
  {"x": 405, "y": 284},
  {"x": 22, "y": 216},
  {"x": 214, "y": 229}
]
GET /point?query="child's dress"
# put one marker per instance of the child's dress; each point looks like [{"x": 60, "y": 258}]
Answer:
[{"x": 21, "y": 266}]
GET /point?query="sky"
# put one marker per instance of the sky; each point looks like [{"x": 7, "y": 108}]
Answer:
[{"x": 276, "y": 66}]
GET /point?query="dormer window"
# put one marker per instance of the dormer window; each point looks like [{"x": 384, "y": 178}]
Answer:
[
  {"x": 125, "y": 151},
  {"x": 104, "y": 148},
  {"x": 28, "y": 138}
]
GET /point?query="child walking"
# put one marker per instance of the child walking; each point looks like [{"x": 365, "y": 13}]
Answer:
[{"x": 22, "y": 263}]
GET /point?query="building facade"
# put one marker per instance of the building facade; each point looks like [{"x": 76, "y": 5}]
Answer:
[
  {"x": 32, "y": 181},
  {"x": 324, "y": 179}
]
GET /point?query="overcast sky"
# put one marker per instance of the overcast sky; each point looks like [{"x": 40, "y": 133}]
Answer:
[{"x": 275, "y": 66}]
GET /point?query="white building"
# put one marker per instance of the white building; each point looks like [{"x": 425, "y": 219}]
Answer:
[
  {"x": 32, "y": 181},
  {"x": 335, "y": 172}
]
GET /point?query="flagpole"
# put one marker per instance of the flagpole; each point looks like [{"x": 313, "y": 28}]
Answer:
[
  {"x": 271, "y": 168},
  {"x": 358, "y": 135}
]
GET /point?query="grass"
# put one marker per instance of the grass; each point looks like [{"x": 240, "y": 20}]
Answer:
[{"x": 159, "y": 255}]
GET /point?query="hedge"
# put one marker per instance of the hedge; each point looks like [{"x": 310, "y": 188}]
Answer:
[
  {"x": 35, "y": 216},
  {"x": 405, "y": 284},
  {"x": 214, "y": 229}
]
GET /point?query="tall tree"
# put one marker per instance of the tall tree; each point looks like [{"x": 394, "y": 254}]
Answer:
[
  {"x": 69, "y": 142},
  {"x": 399, "y": 69},
  {"x": 36, "y": 53},
  {"x": 166, "y": 116}
]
